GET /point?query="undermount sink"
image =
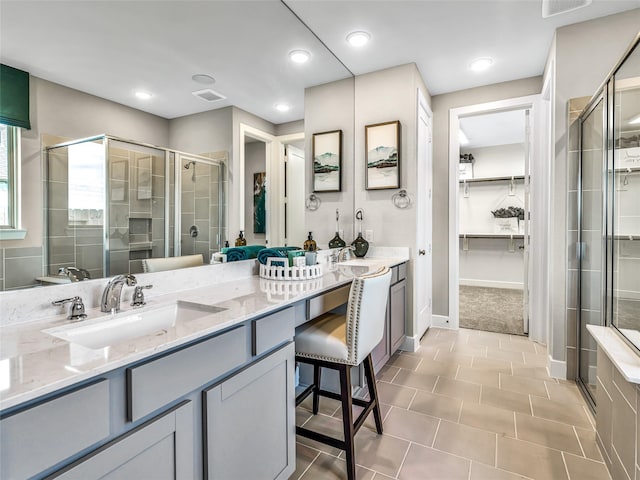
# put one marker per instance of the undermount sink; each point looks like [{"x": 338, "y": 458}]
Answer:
[
  {"x": 362, "y": 262},
  {"x": 111, "y": 329}
]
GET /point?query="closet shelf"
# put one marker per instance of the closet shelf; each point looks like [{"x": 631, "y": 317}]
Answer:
[
  {"x": 492, "y": 179},
  {"x": 491, "y": 235},
  {"x": 626, "y": 237}
]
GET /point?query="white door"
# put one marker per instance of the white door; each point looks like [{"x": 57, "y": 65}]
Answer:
[
  {"x": 423, "y": 259},
  {"x": 527, "y": 224},
  {"x": 294, "y": 233}
]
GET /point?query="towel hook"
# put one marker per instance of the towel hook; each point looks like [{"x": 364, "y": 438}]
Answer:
[
  {"x": 313, "y": 202},
  {"x": 401, "y": 199}
]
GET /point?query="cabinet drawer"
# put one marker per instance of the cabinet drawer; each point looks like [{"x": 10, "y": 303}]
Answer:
[
  {"x": 152, "y": 385},
  {"x": 35, "y": 439},
  {"x": 273, "y": 330},
  {"x": 316, "y": 306}
]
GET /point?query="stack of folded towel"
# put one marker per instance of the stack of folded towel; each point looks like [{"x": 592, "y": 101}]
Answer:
[
  {"x": 235, "y": 254},
  {"x": 280, "y": 252}
]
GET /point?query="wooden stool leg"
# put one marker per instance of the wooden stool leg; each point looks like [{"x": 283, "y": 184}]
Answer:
[
  {"x": 347, "y": 420},
  {"x": 316, "y": 382},
  {"x": 373, "y": 392}
]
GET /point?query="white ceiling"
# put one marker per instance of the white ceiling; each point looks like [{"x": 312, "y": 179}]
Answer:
[{"x": 112, "y": 48}]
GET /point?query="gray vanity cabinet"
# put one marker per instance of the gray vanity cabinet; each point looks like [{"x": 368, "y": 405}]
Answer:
[
  {"x": 397, "y": 314},
  {"x": 249, "y": 422},
  {"x": 160, "y": 449}
]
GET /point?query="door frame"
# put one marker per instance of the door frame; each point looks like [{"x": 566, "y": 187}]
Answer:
[{"x": 530, "y": 102}]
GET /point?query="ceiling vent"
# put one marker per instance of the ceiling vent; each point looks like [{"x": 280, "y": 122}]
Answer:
[
  {"x": 556, "y": 7},
  {"x": 209, "y": 95}
]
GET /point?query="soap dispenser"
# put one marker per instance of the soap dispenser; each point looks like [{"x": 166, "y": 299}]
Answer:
[
  {"x": 241, "y": 241},
  {"x": 310, "y": 244},
  {"x": 337, "y": 242}
]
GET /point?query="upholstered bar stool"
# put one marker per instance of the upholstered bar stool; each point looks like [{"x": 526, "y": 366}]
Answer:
[{"x": 340, "y": 342}]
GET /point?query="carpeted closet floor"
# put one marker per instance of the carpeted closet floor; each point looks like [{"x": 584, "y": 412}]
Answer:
[{"x": 491, "y": 309}]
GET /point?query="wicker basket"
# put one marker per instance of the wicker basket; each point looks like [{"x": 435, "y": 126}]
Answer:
[{"x": 275, "y": 270}]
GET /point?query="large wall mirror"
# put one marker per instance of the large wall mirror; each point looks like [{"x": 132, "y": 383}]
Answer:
[{"x": 250, "y": 43}]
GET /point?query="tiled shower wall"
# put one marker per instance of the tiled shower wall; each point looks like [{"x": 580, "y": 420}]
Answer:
[{"x": 19, "y": 267}]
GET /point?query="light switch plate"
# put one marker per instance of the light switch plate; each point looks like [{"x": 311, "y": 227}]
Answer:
[{"x": 368, "y": 235}]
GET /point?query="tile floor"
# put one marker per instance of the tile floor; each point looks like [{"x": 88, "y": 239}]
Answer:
[{"x": 467, "y": 405}]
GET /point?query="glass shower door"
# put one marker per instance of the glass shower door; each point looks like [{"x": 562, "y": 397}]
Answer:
[{"x": 591, "y": 245}]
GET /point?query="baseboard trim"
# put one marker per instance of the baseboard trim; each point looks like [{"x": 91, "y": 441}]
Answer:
[
  {"x": 440, "y": 321},
  {"x": 557, "y": 368},
  {"x": 468, "y": 282},
  {"x": 410, "y": 344}
]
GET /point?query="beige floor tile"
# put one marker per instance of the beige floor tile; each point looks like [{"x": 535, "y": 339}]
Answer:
[
  {"x": 380, "y": 476},
  {"x": 470, "y": 349},
  {"x": 532, "y": 371},
  {"x": 326, "y": 406},
  {"x": 370, "y": 422},
  {"x": 381, "y": 453},
  {"x": 417, "y": 379},
  {"x": 424, "y": 463},
  {"x": 411, "y": 426},
  {"x": 589, "y": 445},
  {"x": 547, "y": 433},
  {"x": 404, "y": 361},
  {"x": 506, "y": 399},
  {"x": 488, "y": 418},
  {"x": 584, "y": 469},
  {"x": 458, "y": 389},
  {"x": 395, "y": 394},
  {"x": 536, "y": 359},
  {"x": 323, "y": 424},
  {"x": 441, "y": 369},
  {"x": 478, "y": 376},
  {"x": 302, "y": 415},
  {"x": 541, "y": 348},
  {"x": 517, "y": 346},
  {"x": 492, "y": 365},
  {"x": 387, "y": 373},
  {"x": 304, "y": 457},
  {"x": 530, "y": 460},
  {"x": 467, "y": 442},
  {"x": 485, "y": 472},
  {"x": 437, "y": 406},
  {"x": 572, "y": 414},
  {"x": 568, "y": 393},
  {"x": 517, "y": 358},
  {"x": 427, "y": 353},
  {"x": 454, "y": 358},
  {"x": 484, "y": 340},
  {"x": 523, "y": 385},
  {"x": 328, "y": 467}
]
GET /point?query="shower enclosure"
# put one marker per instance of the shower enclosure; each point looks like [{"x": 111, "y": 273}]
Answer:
[{"x": 110, "y": 203}]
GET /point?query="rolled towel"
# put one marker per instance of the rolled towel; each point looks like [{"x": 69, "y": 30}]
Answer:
[
  {"x": 235, "y": 254},
  {"x": 252, "y": 250},
  {"x": 270, "y": 252}
]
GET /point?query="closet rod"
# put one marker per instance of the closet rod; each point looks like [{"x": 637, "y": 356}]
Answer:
[
  {"x": 492, "y": 235},
  {"x": 492, "y": 179}
]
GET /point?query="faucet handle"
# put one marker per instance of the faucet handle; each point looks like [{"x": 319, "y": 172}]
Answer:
[
  {"x": 138, "y": 296},
  {"x": 77, "y": 307}
]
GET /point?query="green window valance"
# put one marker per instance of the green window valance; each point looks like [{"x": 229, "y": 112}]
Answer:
[{"x": 14, "y": 97}]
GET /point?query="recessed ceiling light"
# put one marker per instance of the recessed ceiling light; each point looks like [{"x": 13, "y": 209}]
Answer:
[
  {"x": 299, "y": 56},
  {"x": 143, "y": 95},
  {"x": 480, "y": 64},
  {"x": 358, "y": 39},
  {"x": 462, "y": 138},
  {"x": 282, "y": 107},
  {"x": 203, "y": 78}
]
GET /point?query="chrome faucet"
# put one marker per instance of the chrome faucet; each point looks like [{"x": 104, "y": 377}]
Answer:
[
  {"x": 343, "y": 253},
  {"x": 111, "y": 294}
]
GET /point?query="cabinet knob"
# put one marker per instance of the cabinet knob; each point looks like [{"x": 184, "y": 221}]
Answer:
[{"x": 421, "y": 252}]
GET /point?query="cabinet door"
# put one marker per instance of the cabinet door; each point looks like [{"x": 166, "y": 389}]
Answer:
[
  {"x": 397, "y": 311},
  {"x": 159, "y": 449},
  {"x": 250, "y": 422},
  {"x": 380, "y": 354}
]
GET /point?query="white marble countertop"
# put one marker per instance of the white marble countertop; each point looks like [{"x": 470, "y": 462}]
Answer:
[
  {"x": 34, "y": 363},
  {"x": 625, "y": 359}
]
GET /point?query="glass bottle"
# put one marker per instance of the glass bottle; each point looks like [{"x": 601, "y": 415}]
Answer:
[
  {"x": 241, "y": 241},
  {"x": 337, "y": 242},
  {"x": 310, "y": 244},
  {"x": 362, "y": 246}
]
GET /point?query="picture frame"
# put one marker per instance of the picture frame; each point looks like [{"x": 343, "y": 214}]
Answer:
[
  {"x": 327, "y": 161},
  {"x": 259, "y": 202},
  {"x": 382, "y": 155}
]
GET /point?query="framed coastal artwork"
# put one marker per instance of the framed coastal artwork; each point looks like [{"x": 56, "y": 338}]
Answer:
[
  {"x": 382, "y": 149},
  {"x": 327, "y": 161}
]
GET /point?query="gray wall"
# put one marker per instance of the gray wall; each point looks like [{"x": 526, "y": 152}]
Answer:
[
  {"x": 441, "y": 105},
  {"x": 202, "y": 132}
]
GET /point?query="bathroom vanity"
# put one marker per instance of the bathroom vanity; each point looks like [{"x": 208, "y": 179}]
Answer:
[{"x": 209, "y": 394}]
